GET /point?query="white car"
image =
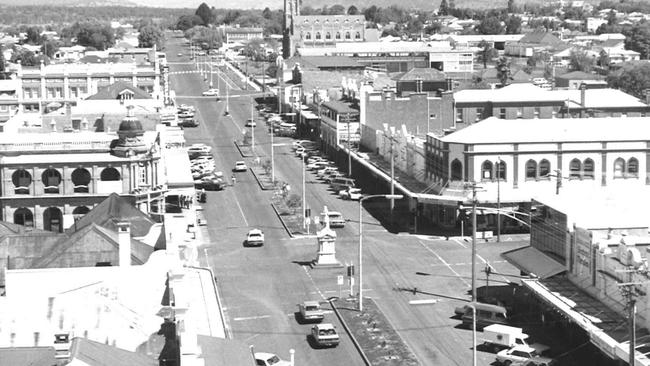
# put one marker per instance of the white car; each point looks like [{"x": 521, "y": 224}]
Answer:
[
  {"x": 326, "y": 170},
  {"x": 240, "y": 166},
  {"x": 199, "y": 149},
  {"x": 318, "y": 165},
  {"x": 251, "y": 123},
  {"x": 350, "y": 194},
  {"x": 523, "y": 355},
  {"x": 255, "y": 237},
  {"x": 269, "y": 359},
  {"x": 211, "y": 93}
]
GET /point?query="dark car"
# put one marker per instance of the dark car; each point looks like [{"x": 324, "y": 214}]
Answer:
[
  {"x": 209, "y": 184},
  {"x": 189, "y": 122}
]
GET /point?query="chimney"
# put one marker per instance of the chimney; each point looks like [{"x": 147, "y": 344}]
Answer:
[
  {"x": 124, "y": 241},
  {"x": 583, "y": 91}
]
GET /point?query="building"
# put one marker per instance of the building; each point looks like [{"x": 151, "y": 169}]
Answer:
[
  {"x": 496, "y": 41},
  {"x": 327, "y": 30},
  {"x": 339, "y": 123},
  {"x": 69, "y": 83},
  {"x": 241, "y": 35},
  {"x": 423, "y": 80},
  {"x": 585, "y": 247},
  {"x": 50, "y": 177},
  {"x": 517, "y": 159},
  {"x": 573, "y": 80},
  {"x": 401, "y": 56},
  {"x": 526, "y": 101},
  {"x": 533, "y": 42}
]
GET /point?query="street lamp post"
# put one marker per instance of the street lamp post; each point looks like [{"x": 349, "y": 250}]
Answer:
[
  {"x": 499, "y": 167},
  {"x": 385, "y": 196},
  {"x": 304, "y": 212}
]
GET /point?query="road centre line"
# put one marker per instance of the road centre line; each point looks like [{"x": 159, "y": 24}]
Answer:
[
  {"x": 242, "y": 211},
  {"x": 251, "y": 317}
]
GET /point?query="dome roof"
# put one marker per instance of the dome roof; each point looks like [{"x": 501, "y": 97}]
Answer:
[{"x": 130, "y": 125}]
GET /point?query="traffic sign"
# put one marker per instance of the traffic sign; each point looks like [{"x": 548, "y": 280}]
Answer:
[{"x": 339, "y": 280}]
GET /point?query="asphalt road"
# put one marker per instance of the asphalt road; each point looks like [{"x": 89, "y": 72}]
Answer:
[{"x": 261, "y": 286}]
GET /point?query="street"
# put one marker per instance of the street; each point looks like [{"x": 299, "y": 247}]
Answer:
[{"x": 261, "y": 287}]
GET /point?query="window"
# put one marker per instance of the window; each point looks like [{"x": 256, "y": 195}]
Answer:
[
  {"x": 575, "y": 167},
  {"x": 328, "y": 35},
  {"x": 554, "y": 113},
  {"x": 502, "y": 113},
  {"x": 633, "y": 168},
  {"x": 338, "y": 35},
  {"x": 544, "y": 168},
  {"x": 307, "y": 35},
  {"x": 536, "y": 112},
  {"x": 357, "y": 35},
  {"x": 501, "y": 170},
  {"x": 520, "y": 112},
  {"x": 619, "y": 168},
  {"x": 456, "y": 170},
  {"x": 479, "y": 114},
  {"x": 459, "y": 115},
  {"x": 486, "y": 170},
  {"x": 347, "y": 35},
  {"x": 588, "y": 169},
  {"x": 531, "y": 169},
  {"x": 317, "y": 35}
]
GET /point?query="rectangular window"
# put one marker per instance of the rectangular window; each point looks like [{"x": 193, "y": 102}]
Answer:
[
  {"x": 479, "y": 114},
  {"x": 536, "y": 112},
  {"x": 520, "y": 112},
  {"x": 502, "y": 113},
  {"x": 459, "y": 115}
]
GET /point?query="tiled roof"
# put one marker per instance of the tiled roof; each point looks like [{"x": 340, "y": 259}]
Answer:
[
  {"x": 93, "y": 353},
  {"x": 116, "y": 209},
  {"x": 540, "y": 37},
  {"x": 114, "y": 90}
]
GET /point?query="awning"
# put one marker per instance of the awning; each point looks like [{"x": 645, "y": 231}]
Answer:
[{"x": 533, "y": 261}]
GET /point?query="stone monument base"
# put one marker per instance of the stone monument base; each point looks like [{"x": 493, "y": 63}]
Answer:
[{"x": 316, "y": 265}]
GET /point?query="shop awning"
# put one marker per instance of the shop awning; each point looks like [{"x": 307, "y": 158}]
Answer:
[{"x": 533, "y": 261}]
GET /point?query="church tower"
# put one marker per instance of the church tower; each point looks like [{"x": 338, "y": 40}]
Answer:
[{"x": 291, "y": 10}]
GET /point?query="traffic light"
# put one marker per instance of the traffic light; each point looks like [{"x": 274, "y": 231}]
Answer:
[{"x": 351, "y": 270}]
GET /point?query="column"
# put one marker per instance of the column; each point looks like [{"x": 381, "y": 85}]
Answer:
[
  {"x": 603, "y": 157},
  {"x": 515, "y": 166}
]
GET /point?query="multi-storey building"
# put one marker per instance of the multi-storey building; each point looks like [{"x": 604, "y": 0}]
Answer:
[
  {"x": 327, "y": 30},
  {"x": 48, "y": 178},
  {"x": 68, "y": 83},
  {"x": 232, "y": 35}
]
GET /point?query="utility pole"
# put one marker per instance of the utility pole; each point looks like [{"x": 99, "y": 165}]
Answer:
[
  {"x": 347, "y": 119},
  {"x": 252, "y": 127},
  {"x": 628, "y": 290},
  {"x": 473, "y": 187},
  {"x": 499, "y": 167}
]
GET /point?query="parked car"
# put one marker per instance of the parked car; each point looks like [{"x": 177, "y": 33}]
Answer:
[
  {"x": 325, "y": 335},
  {"x": 311, "y": 311},
  {"x": 522, "y": 355},
  {"x": 199, "y": 149},
  {"x": 332, "y": 176},
  {"x": 189, "y": 122},
  {"x": 326, "y": 171},
  {"x": 269, "y": 359},
  {"x": 211, "y": 93},
  {"x": 251, "y": 123},
  {"x": 255, "y": 238},
  {"x": 486, "y": 314},
  {"x": 240, "y": 166},
  {"x": 317, "y": 165},
  {"x": 336, "y": 219},
  {"x": 185, "y": 114},
  {"x": 209, "y": 184},
  {"x": 350, "y": 194}
]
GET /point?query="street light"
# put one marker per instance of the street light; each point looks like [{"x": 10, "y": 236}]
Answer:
[
  {"x": 385, "y": 196},
  {"x": 499, "y": 167}
]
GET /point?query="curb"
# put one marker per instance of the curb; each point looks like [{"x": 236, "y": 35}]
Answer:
[
  {"x": 260, "y": 182},
  {"x": 282, "y": 221},
  {"x": 347, "y": 330}
]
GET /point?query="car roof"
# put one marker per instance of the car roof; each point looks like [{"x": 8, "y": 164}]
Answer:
[
  {"x": 333, "y": 213},
  {"x": 240, "y": 162},
  {"x": 255, "y": 231},
  {"x": 311, "y": 303},
  {"x": 263, "y": 355},
  {"x": 324, "y": 326}
]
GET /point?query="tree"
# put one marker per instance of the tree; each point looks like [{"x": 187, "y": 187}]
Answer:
[
  {"x": 512, "y": 8},
  {"x": 293, "y": 202},
  {"x": 204, "y": 12},
  {"x": 637, "y": 38},
  {"x": 186, "y": 22},
  {"x": 513, "y": 25},
  {"x": 490, "y": 25},
  {"x": 580, "y": 60},
  {"x": 3, "y": 63},
  {"x": 352, "y": 10},
  {"x": 93, "y": 34},
  {"x": 633, "y": 78},
  {"x": 266, "y": 165},
  {"x": 336, "y": 10},
  {"x": 432, "y": 28},
  {"x": 151, "y": 35},
  {"x": 49, "y": 48},
  {"x": 33, "y": 35},
  {"x": 444, "y": 8},
  {"x": 23, "y": 56},
  {"x": 603, "y": 60},
  {"x": 267, "y": 13},
  {"x": 486, "y": 52},
  {"x": 503, "y": 71}
]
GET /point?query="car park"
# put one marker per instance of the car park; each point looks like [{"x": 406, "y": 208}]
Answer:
[
  {"x": 325, "y": 335},
  {"x": 318, "y": 165},
  {"x": 199, "y": 149},
  {"x": 187, "y": 114},
  {"x": 522, "y": 355},
  {"x": 211, "y": 93},
  {"x": 310, "y": 311},
  {"x": 269, "y": 359},
  {"x": 255, "y": 238},
  {"x": 340, "y": 183},
  {"x": 350, "y": 194},
  {"x": 332, "y": 176},
  {"x": 240, "y": 166}
]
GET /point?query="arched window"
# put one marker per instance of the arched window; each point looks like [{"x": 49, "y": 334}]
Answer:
[
  {"x": 486, "y": 170},
  {"x": 501, "y": 170},
  {"x": 328, "y": 35},
  {"x": 307, "y": 35},
  {"x": 544, "y": 168},
  {"x": 338, "y": 35},
  {"x": 456, "y": 170},
  {"x": 588, "y": 169},
  {"x": 53, "y": 220},
  {"x": 51, "y": 180},
  {"x": 633, "y": 168},
  {"x": 531, "y": 169},
  {"x": 317, "y": 35},
  {"x": 357, "y": 35},
  {"x": 347, "y": 35},
  {"x": 109, "y": 174},
  {"x": 575, "y": 167},
  {"x": 80, "y": 179},
  {"x": 79, "y": 212},
  {"x": 23, "y": 216},
  {"x": 21, "y": 180},
  {"x": 619, "y": 168}
]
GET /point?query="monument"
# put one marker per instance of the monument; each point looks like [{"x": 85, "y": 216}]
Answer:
[{"x": 326, "y": 238}]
